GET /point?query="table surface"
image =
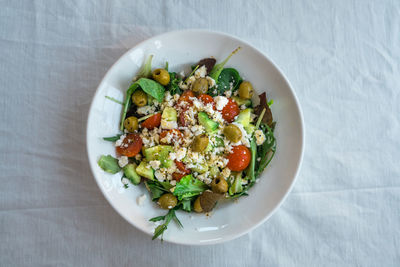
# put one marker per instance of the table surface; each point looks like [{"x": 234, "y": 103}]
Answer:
[{"x": 342, "y": 58}]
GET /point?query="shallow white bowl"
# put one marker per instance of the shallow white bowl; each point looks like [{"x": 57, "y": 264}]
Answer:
[{"x": 228, "y": 220}]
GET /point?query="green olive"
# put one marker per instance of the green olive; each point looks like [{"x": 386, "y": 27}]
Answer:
[
  {"x": 200, "y": 86},
  {"x": 233, "y": 133},
  {"x": 139, "y": 98},
  {"x": 197, "y": 206},
  {"x": 167, "y": 201},
  {"x": 200, "y": 143},
  {"x": 219, "y": 185},
  {"x": 246, "y": 90},
  {"x": 161, "y": 76},
  {"x": 131, "y": 124}
]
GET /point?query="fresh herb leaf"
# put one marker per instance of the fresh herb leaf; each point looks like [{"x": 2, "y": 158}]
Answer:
[
  {"x": 266, "y": 151},
  {"x": 173, "y": 86},
  {"x": 145, "y": 71},
  {"x": 157, "y": 189},
  {"x": 161, "y": 228},
  {"x": 188, "y": 187},
  {"x": 227, "y": 77},
  {"x": 217, "y": 69},
  {"x": 109, "y": 164},
  {"x": 113, "y": 99},
  {"x": 150, "y": 87},
  {"x": 156, "y": 219},
  {"x": 166, "y": 66},
  {"x": 112, "y": 138}
]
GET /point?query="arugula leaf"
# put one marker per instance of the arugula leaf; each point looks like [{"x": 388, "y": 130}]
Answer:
[
  {"x": 188, "y": 187},
  {"x": 173, "y": 86},
  {"x": 250, "y": 172},
  {"x": 109, "y": 164},
  {"x": 113, "y": 99},
  {"x": 217, "y": 69},
  {"x": 267, "y": 150},
  {"x": 227, "y": 76},
  {"x": 161, "y": 228},
  {"x": 150, "y": 87},
  {"x": 112, "y": 138},
  {"x": 145, "y": 71},
  {"x": 157, "y": 189}
]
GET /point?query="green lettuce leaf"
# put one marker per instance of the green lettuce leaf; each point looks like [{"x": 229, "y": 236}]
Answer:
[
  {"x": 188, "y": 187},
  {"x": 109, "y": 164}
]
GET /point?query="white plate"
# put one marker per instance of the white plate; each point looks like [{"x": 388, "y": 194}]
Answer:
[{"x": 228, "y": 220}]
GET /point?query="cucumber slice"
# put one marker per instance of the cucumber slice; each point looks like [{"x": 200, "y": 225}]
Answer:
[
  {"x": 244, "y": 117},
  {"x": 241, "y": 101},
  {"x": 169, "y": 114},
  {"x": 206, "y": 122},
  {"x": 131, "y": 174}
]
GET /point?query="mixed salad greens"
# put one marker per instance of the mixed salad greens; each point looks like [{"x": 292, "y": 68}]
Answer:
[{"x": 192, "y": 140}]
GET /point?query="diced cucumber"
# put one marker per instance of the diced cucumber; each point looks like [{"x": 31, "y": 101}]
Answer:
[
  {"x": 241, "y": 101},
  {"x": 145, "y": 170},
  {"x": 153, "y": 153},
  {"x": 214, "y": 171},
  {"x": 244, "y": 117},
  {"x": 169, "y": 114},
  {"x": 206, "y": 122},
  {"x": 200, "y": 168},
  {"x": 130, "y": 173},
  {"x": 250, "y": 128}
]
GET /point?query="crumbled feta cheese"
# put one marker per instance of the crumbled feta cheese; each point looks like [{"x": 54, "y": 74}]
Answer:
[
  {"x": 176, "y": 97},
  {"x": 181, "y": 153},
  {"x": 141, "y": 199},
  {"x": 197, "y": 129},
  {"x": 120, "y": 140},
  {"x": 220, "y": 102},
  {"x": 138, "y": 156},
  {"x": 123, "y": 161},
  {"x": 243, "y": 107},
  {"x": 155, "y": 164},
  {"x": 260, "y": 137},
  {"x": 228, "y": 93},
  {"x": 182, "y": 73},
  {"x": 225, "y": 173},
  {"x": 169, "y": 124},
  {"x": 204, "y": 178},
  {"x": 124, "y": 181},
  {"x": 173, "y": 182},
  {"x": 200, "y": 72},
  {"x": 211, "y": 82},
  {"x": 146, "y": 110},
  {"x": 159, "y": 175}
]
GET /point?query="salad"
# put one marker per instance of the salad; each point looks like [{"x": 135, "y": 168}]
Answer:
[{"x": 191, "y": 140}]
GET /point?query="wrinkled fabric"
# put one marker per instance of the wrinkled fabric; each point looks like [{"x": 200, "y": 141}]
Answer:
[{"x": 341, "y": 57}]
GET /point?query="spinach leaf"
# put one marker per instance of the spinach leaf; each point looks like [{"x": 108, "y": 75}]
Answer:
[
  {"x": 150, "y": 87},
  {"x": 267, "y": 150},
  {"x": 227, "y": 76},
  {"x": 109, "y": 164},
  {"x": 188, "y": 187},
  {"x": 217, "y": 69},
  {"x": 161, "y": 228},
  {"x": 112, "y": 138},
  {"x": 173, "y": 86}
]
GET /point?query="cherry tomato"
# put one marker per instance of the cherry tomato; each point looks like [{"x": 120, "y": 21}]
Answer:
[
  {"x": 206, "y": 99},
  {"x": 176, "y": 136},
  {"x": 239, "y": 158},
  {"x": 152, "y": 122},
  {"x": 182, "y": 167},
  {"x": 185, "y": 97},
  {"x": 178, "y": 176},
  {"x": 131, "y": 145},
  {"x": 230, "y": 111}
]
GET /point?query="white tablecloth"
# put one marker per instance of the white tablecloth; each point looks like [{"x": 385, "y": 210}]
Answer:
[{"x": 342, "y": 58}]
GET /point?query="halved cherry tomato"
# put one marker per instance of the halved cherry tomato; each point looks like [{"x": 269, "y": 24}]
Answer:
[
  {"x": 239, "y": 158},
  {"x": 178, "y": 176},
  {"x": 230, "y": 111},
  {"x": 131, "y": 145},
  {"x": 185, "y": 97},
  {"x": 176, "y": 136},
  {"x": 152, "y": 122},
  {"x": 181, "y": 167},
  {"x": 206, "y": 99}
]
